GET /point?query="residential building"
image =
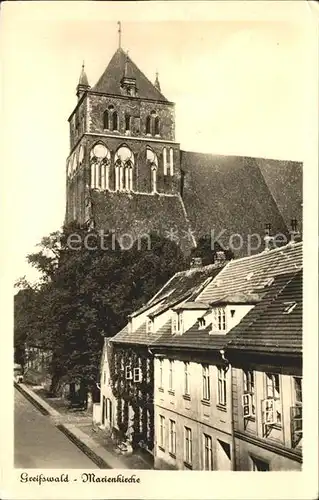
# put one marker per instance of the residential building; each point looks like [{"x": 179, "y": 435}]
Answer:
[
  {"x": 127, "y": 367},
  {"x": 265, "y": 351},
  {"x": 198, "y": 388}
]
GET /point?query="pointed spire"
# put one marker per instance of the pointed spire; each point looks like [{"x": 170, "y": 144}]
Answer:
[
  {"x": 83, "y": 84},
  {"x": 157, "y": 83},
  {"x": 83, "y": 80},
  {"x": 120, "y": 33}
]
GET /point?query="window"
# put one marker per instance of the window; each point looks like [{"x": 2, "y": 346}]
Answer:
[
  {"x": 171, "y": 161},
  {"x": 186, "y": 378},
  {"x": 171, "y": 376},
  {"x": 172, "y": 437},
  {"x": 137, "y": 375},
  {"x": 156, "y": 125},
  {"x": 106, "y": 120},
  {"x": 259, "y": 465},
  {"x": 115, "y": 121},
  {"x": 148, "y": 125},
  {"x": 249, "y": 394},
  {"x": 273, "y": 393},
  {"x": 207, "y": 453},
  {"x": 128, "y": 373},
  {"x": 127, "y": 123},
  {"x": 206, "y": 383},
  {"x": 222, "y": 386},
  {"x": 161, "y": 373},
  {"x": 149, "y": 325},
  {"x": 297, "y": 390},
  {"x": 162, "y": 432},
  {"x": 296, "y": 412},
  {"x": 201, "y": 323},
  {"x": 165, "y": 161},
  {"x": 124, "y": 163},
  {"x": 179, "y": 322},
  {"x": 154, "y": 179},
  {"x": 221, "y": 319},
  {"x": 188, "y": 445}
]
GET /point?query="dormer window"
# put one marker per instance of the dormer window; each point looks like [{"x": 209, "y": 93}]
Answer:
[
  {"x": 177, "y": 323},
  {"x": 289, "y": 307},
  {"x": 201, "y": 322},
  {"x": 220, "y": 319},
  {"x": 149, "y": 325}
]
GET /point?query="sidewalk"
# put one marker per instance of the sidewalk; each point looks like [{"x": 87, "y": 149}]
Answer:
[{"x": 78, "y": 427}]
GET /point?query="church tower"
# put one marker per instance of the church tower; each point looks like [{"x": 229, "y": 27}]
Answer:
[{"x": 123, "y": 170}]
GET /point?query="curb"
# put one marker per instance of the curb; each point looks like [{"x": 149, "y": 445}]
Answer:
[
  {"x": 84, "y": 448},
  {"x": 35, "y": 403},
  {"x": 96, "y": 459}
]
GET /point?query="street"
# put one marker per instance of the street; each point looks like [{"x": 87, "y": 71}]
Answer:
[{"x": 39, "y": 444}]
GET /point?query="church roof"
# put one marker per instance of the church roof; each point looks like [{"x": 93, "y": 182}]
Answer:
[
  {"x": 110, "y": 80},
  {"x": 239, "y": 195},
  {"x": 137, "y": 214}
]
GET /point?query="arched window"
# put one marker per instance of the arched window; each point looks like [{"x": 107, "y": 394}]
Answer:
[
  {"x": 151, "y": 160},
  {"x": 156, "y": 125},
  {"x": 106, "y": 120},
  {"x": 171, "y": 161},
  {"x": 127, "y": 123},
  {"x": 165, "y": 161},
  {"x": 148, "y": 124},
  {"x": 124, "y": 164},
  {"x": 100, "y": 161},
  {"x": 115, "y": 121}
]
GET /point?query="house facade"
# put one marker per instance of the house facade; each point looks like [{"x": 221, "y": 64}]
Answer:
[
  {"x": 243, "y": 410},
  {"x": 127, "y": 365},
  {"x": 266, "y": 358}
]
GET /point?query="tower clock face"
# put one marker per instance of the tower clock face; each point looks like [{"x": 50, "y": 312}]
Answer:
[
  {"x": 100, "y": 151},
  {"x": 81, "y": 154}
]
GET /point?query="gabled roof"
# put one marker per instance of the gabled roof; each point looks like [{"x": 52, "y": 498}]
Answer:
[
  {"x": 110, "y": 80},
  {"x": 239, "y": 195},
  {"x": 248, "y": 274},
  {"x": 267, "y": 328}
]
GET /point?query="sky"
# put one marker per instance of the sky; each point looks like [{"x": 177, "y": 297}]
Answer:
[{"x": 239, "y": 86}]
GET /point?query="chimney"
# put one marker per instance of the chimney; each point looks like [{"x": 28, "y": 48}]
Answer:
[
  {"x": 220, "y": 257},
  {"x": 196, "y": 262},
  {"x": 295, "y": 235},
  {"x": 268, "y": 239}
]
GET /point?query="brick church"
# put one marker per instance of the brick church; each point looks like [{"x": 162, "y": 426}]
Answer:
[{"x": 127, "y": 173}]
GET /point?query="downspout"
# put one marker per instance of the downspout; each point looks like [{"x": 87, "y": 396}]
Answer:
[{"x": 228, "y": 365}]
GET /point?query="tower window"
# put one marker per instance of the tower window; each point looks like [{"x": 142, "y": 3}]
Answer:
[
  {"x": 127, "y": 122},
  {"x": 115, "y": 121},
  {"x": 165, "y": 161},
  {"x": 171, "y": 161},
  {"x": 124, "y": 164},
  {"x": 148, "y": 124},
  {"x": 156, "y": 125},
  {"x": 106, "y": 119}
]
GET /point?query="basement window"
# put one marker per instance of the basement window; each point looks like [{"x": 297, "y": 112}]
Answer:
[{"x": 289, "y": 307}]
